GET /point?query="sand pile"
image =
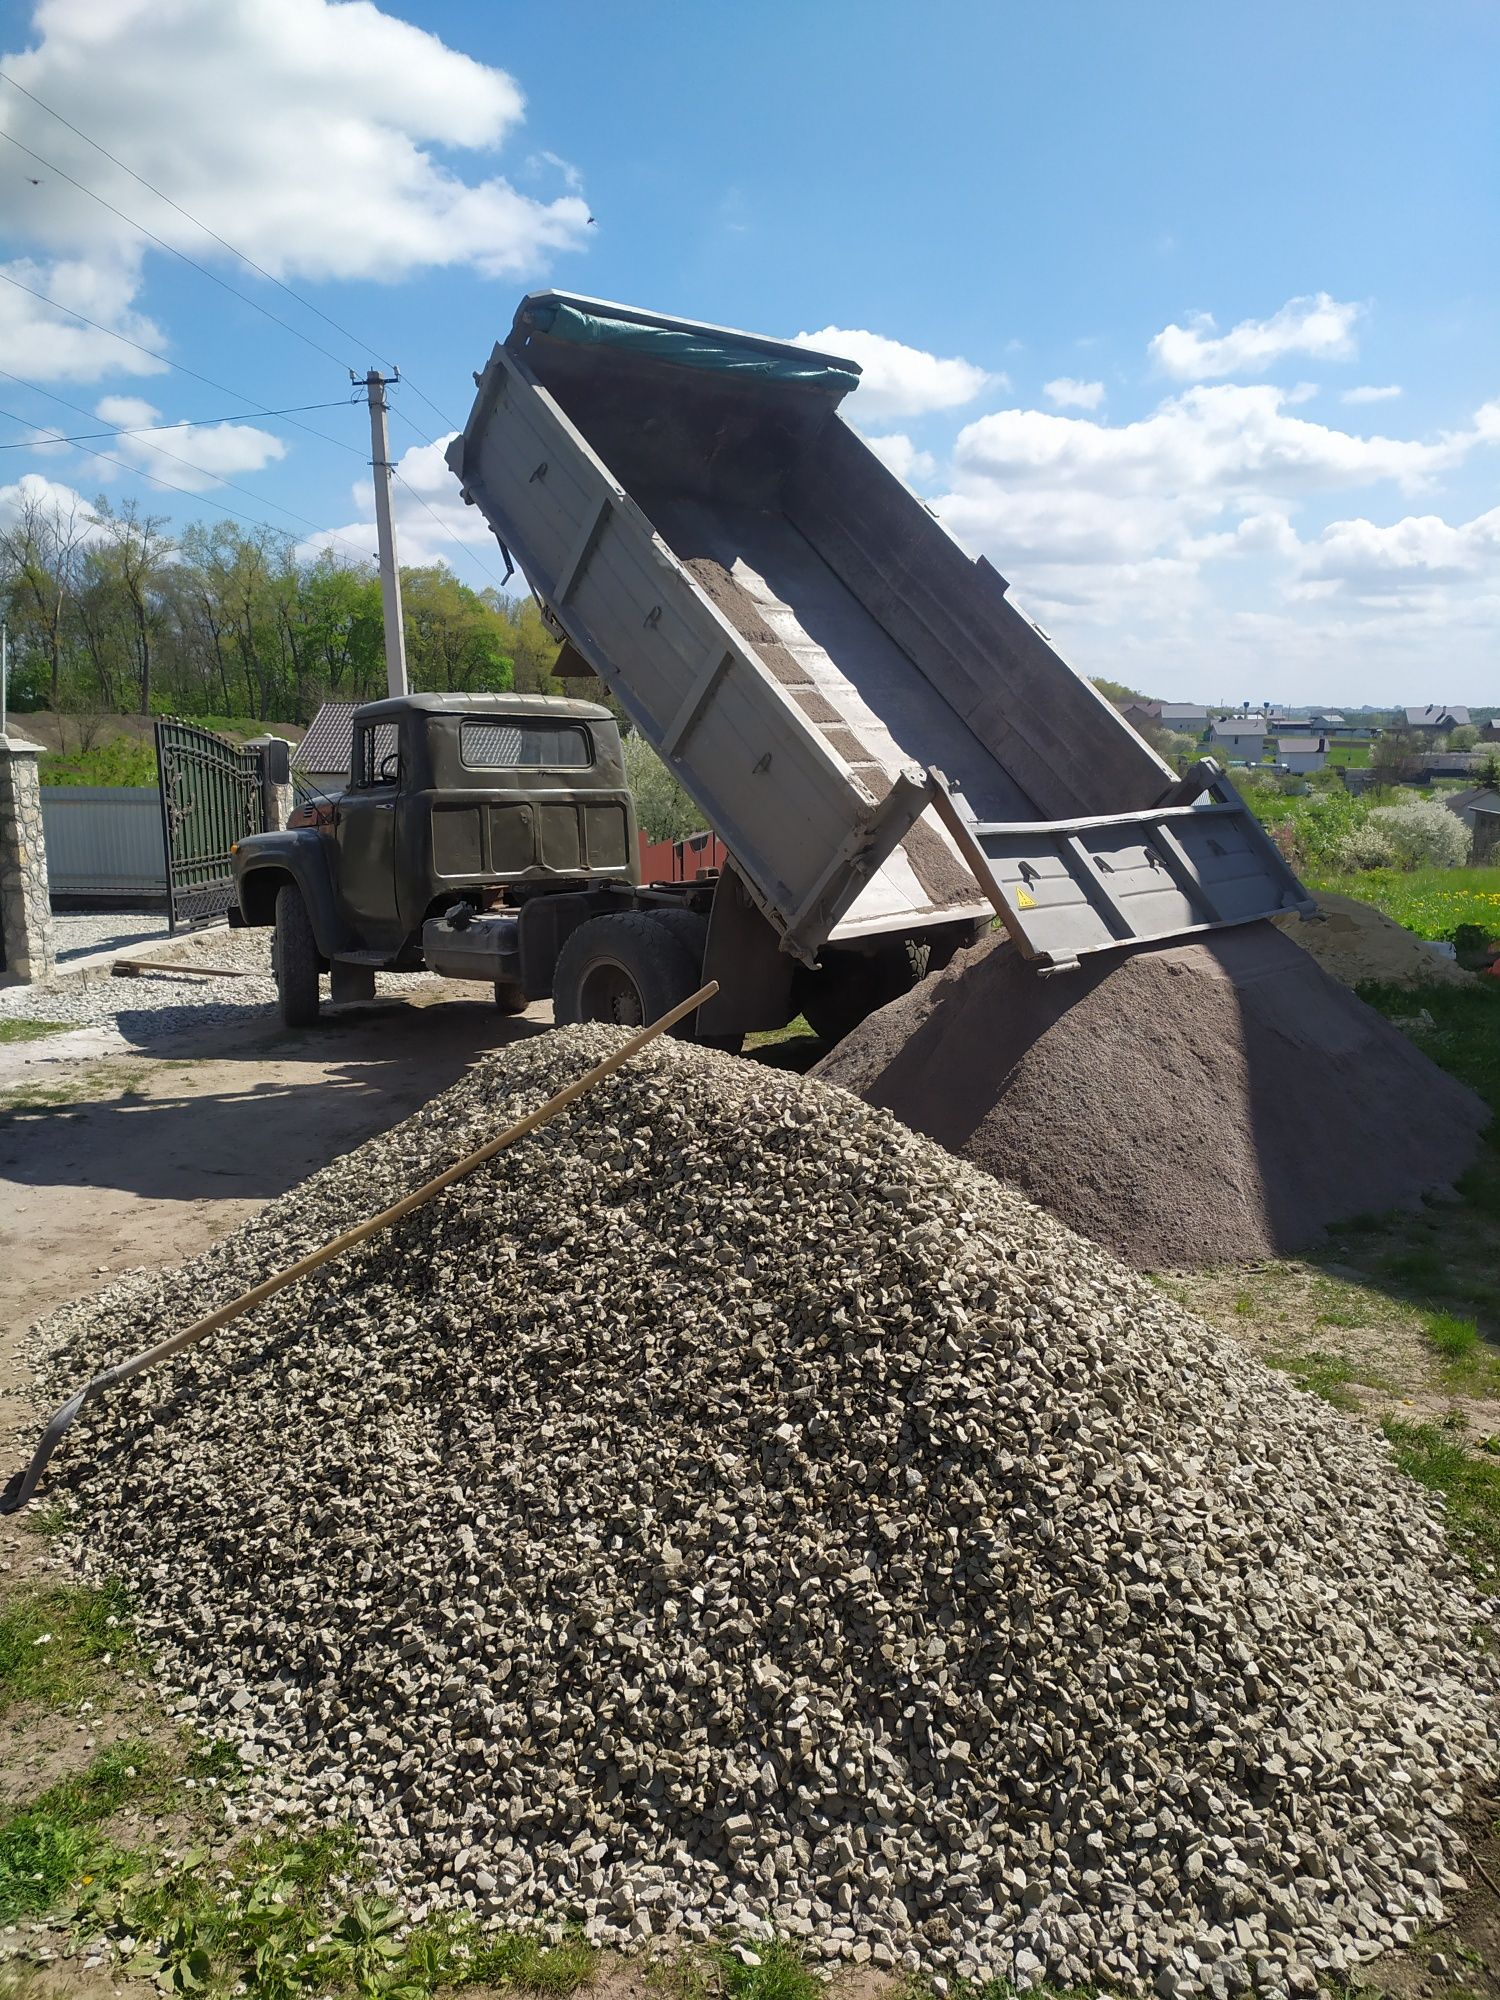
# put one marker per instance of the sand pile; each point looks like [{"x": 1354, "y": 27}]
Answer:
[
  {"x": 728, "y": 1509},
  {"x": 1185, "y": 1105},
  {"x": 1355, "y": 941}
]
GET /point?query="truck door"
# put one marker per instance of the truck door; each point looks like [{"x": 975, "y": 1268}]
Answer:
[{"x": 365, "y": 831}]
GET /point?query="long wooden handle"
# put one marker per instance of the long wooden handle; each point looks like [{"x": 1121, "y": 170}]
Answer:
[{"x": 21, "y": 1488}]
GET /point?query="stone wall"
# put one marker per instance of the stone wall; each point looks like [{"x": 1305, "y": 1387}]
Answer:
[{"x": 25, "y": 906}]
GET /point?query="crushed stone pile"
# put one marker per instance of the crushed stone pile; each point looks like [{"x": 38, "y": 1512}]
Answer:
[
  {"x": 728, "y": 1509},
  {"x": 1355, "y": 941},
  {"x": 1185, "y": 1105}
]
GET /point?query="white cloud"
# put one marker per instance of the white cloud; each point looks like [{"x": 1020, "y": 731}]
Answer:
[
  {"x": 1368, "y": 393},
  {"x": 32, "y": 489},
  {"x": 48, "y": 346},
  {"x": 314, "y": 135},
  {"x": 901, "y": 381},
  {"x": 1360, "y": 559},
  {"x": 1196, "y": 353},
  {"x": 195, "y": 456},
  {"x": 1070, "y": 394},
  {"x": 1209, "y": 446},
  {"x": 902, "y": 457},
  {"x": 423, "y": 475},
  {"x": 1132, "y": 541}
]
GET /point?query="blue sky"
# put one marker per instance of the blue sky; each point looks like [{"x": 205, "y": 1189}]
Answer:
[{"x": 1186, "y": 316}]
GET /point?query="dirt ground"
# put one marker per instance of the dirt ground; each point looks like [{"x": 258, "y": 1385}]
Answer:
[{"x": 111, "y": 1159}]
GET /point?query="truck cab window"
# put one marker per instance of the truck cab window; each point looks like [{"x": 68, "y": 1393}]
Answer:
[
  {"x": 376, "y": 756},
  {"x": 525, "y": 743}
]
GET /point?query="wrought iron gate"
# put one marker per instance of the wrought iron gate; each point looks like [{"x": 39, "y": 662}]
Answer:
[{"x": 210, "y": 797}]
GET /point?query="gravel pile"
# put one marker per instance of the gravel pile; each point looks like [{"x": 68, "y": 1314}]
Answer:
[
  {"x": 1185, "y": 1105},
  {"x": 727, "y": 1508}
]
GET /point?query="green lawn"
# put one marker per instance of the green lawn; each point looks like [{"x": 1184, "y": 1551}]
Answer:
[{"x": 1433, "y": 902}]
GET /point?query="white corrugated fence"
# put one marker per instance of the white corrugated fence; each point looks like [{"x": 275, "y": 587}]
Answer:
[{"x": 104, "y": 840}]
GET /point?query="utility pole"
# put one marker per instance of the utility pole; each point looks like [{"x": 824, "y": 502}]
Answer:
[
  {"x": 385, "y": 530},
  {"x": 4, "y": 673}
]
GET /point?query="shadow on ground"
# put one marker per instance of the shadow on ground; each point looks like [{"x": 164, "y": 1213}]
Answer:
[{"x": 188, "y": 1127}]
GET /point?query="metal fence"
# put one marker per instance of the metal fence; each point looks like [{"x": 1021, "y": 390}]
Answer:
[{"x": 105, "y": 841}]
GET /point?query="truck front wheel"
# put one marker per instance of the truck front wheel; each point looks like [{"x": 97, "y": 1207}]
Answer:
[
  {"x": 626, "y": 969},
  {"x": 294, "y": 957}
]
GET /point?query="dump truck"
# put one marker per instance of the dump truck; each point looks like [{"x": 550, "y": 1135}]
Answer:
[{"x": 892, "y": 753}]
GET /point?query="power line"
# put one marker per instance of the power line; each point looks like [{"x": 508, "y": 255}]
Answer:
[
  {"x": 166, "y": 360},
  {"x": 259, "y": 269},
  {"x": 203, "y": 472},
  {"x": 162, "y": 242},
  {"x": 233, "y": 249},
  {"x": 410, "y": 424},
  {"x": 218, "y": 506},
  {"x": 141, "y": 430}
]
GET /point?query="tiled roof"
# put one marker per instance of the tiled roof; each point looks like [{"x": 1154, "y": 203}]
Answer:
[{"x": 326, "y": 746}]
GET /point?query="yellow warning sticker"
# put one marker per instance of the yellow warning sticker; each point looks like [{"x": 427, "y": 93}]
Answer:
[{"x": 1025, "y": 901}]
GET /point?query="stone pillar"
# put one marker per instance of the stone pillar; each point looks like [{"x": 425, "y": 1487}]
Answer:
[{"x": 25, "y": 906}]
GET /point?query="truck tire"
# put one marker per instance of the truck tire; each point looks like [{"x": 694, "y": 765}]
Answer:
[
  {"x": 510, "y": 996},
  {"x": 294, "y": 957},
  {"x": 850, "y": 985},
  {"x": 691, "y": 930},
  {"x": 624, "y": 968}
]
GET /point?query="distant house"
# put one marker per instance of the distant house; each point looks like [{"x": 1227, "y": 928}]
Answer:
[
  {"x": 1489, "y": 732},
  {"x": 1326, "y": 719},
  {"x": 1476, "y": 798},
  {"x": 1240, "y": 735},
  {"x": 1302, "y": 753},
  {"x": 1436, "y": 720},
  {"x": 1430, "y": 764},
  {"x": 1183, "y": 718},
  {"x": 320, "y": 762},
  {"x": 1142, "y": 715}
]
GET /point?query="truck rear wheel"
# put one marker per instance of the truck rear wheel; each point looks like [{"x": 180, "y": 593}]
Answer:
[
  {"x": 849, "y": 985},
  {"x": 627, "y": 969},
  {"x": 294, "y": 958}
]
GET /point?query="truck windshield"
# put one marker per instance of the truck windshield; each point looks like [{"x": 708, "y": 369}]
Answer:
[{"x": 521, "y": 743}]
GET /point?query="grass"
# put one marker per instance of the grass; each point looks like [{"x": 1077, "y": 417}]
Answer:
[
  {"x": 1325, "y": 1375},
  {"x": 1454, "y": 1338},
  {"x": 793, "y": 1047},
  {"x": 54, "y": 1642},
  {"x": 1433, "y": 902},
  {"x": 282, "y": 1916},
  {"x": 773, "y": 1971},
  {"x": 1468, "y": 1483},
  {"x": 54, "y": 1844},
  {"x": 19, "y": 1029}
]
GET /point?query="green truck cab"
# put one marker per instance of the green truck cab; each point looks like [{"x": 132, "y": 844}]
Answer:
[{"x": 463, "y": 815}]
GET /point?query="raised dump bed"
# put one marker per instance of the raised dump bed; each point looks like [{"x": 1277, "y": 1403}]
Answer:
[{"x": 886, "y": 745}]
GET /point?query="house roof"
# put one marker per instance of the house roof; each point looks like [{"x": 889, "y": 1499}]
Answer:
[
  {"x": 1180, "y": 711},
  {"x": 1435, "y": 716},
  {"x": 327, "y": 744},
  {"x": 1300, "y": 746},
  {"x": 1240, "y": 725}
]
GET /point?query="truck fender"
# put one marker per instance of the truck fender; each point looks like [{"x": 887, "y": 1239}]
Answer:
[
  {"x": 744, "y": 954},
  {"x": 266, "y": 861}
]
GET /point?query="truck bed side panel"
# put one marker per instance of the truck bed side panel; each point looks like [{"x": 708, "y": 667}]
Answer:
[{"x": 770, "y": 785}]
